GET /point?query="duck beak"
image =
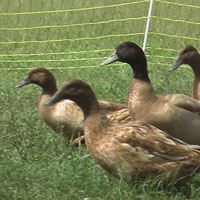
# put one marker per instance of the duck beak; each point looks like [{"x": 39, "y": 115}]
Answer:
[
  {"x": 58, "y": 96},
  {"x": 26, "y": 81},
  {"x": 111, "y": 59},
  {"x": 176, "y": 64}
]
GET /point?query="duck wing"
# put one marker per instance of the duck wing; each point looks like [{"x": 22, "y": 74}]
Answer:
[
  {"x": 111, "y": 106},
  {"x": 184, "y": 102},
  {"x": 154, "y": 144}
]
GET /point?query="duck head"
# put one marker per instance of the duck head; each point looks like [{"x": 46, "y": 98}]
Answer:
[
  {"x": 132, "y": 54},
  {"x": 39, "y": 76},
  {"x": 187, "y": 55},
  {"x": 79, "y": 92}
]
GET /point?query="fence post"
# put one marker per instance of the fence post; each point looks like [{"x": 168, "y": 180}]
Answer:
[{"x": 147, "y": 25}]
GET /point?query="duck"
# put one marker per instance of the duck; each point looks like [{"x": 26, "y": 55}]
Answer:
[
  {"x": 66, "y": 117},
  {"x": 130, "y": 150},
  {"x": 176, "y": 114},
  {"x": 189, "y": 55}
]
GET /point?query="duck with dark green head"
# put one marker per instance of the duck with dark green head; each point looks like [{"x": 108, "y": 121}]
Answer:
[{"x": 175, "y": 114}]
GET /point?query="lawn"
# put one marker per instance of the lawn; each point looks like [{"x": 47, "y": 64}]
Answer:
[{"x": 35, "y": 162}]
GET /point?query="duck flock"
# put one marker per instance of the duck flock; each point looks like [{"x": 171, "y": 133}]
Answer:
[{"x": 157, "y": 135}]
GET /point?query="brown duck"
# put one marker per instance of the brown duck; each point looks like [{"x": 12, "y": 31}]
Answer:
[
  {"x": 130, "y": 150},
  {"x": 66, "y": 117},
  {"x": 175, "y": 114},
  {"x": 189, "y": 55}
]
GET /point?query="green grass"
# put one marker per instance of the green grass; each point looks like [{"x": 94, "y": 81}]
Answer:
[{"x": 35, "y": 162}]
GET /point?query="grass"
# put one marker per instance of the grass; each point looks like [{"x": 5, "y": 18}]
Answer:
[{"x": 35, "y": 162}]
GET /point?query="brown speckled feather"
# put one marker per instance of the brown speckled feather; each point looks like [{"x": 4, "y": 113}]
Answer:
[
  {"x": 130, "y": 149},
  {"x": 136, "y": 146}
]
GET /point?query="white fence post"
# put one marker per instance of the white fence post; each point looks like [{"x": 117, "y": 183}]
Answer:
[{"x": 147, "y": 25}]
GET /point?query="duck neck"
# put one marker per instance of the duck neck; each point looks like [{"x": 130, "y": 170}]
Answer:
[
  {"x": 92, "y": 109},
  {"x": 140, "y": 71},
  {"x": 95, "y": 124},
  {"x": 144, "y": 89},
  {"x": 50, "y": 88},
  {"x": 89, "y": 106},
  {"x": 196, "y": 86}
]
